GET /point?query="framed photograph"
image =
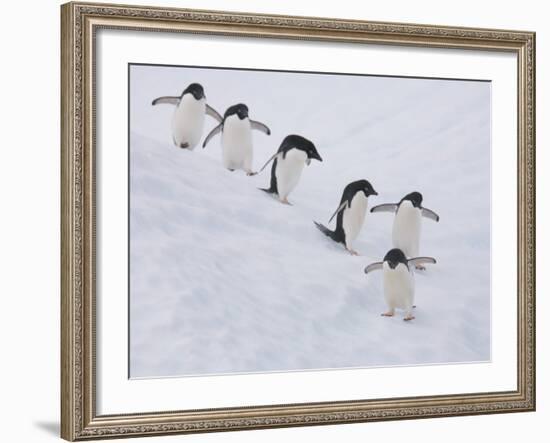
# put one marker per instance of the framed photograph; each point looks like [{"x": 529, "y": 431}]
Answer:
[{"x": 277, "y": 221}]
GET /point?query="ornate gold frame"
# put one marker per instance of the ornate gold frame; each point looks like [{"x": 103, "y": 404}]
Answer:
[{"x": 79, "y": 21}]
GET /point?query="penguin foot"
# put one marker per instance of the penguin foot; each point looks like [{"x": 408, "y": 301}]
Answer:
[
  {"x": 250, "y": 173},
  {"x": 420, "y": 267},
  {"x": 387, "y": 314},
  {"x": 352, "y": 252},
  {"x": 284, "y": 201},
  {"x": 184, "y": 145},
  {"x": 409, "y": 318}
]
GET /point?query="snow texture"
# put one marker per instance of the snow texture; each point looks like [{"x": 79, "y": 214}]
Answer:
[{"x": 225, "y": 279}]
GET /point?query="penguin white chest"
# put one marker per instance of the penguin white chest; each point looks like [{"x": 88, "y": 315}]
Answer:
[
  {"x": 406, "y": 229},
  {"x": 398, "y": 286},
  {"x": 237, "y": 143},
  {"x": 354, "y": 217},
  {"x": 288, "y": 171},
  {"x": 188, "y": 121}
]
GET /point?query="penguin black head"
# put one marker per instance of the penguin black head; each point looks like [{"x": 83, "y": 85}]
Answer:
[
  {"x": 303, "y": 144},
  {"x": 196, "y": 90},
  {"x": 240, "y": 110},
  {"x": 364, "y": 186},
  {"x": 394, "y": 257},
  {"x": 415, "y": 198}
]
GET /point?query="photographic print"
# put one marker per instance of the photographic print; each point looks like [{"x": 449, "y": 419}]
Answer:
[
  {"x": 292, "y": 221},
  {"x": 254, "y": 206}
]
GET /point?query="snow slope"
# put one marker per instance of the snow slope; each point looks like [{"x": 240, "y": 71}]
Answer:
[{"x": 225, "y": 279}]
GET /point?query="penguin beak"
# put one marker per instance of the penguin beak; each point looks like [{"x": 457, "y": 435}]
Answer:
[
  {"x": 368, "y": 192},
  {"x": 316, "y": 156}
]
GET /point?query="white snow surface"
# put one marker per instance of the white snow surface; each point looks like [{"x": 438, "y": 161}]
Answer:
[{"x": 225, "y": 279}]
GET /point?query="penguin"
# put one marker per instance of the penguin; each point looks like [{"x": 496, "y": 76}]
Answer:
[
  {"x": 288, "y": 163},
  {"x": 350, "y": 214},
  {"x": 188, "y": 118},
  {"x": 407, "y": 222},
  {"x": 236, "y": 128},
  {"x": 398, "y": 280}
]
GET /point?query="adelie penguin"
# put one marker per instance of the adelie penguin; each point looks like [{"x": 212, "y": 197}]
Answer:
[
  {"x": 398, "y": 280},
  {"x": 236, "y": 129},
  {"x": 288, "y": 163},
  {"x": 188, "y": 117},
  {"x": 350, "y": 214},
  {"x": 407, "y": 222}
]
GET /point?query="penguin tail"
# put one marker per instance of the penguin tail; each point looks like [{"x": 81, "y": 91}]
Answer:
[
  {"x": 268, "y": 190},
  {"x": 327, "y": 231}
]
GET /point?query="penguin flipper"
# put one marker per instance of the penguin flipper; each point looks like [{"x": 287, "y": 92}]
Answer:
[
  {"x": 373, "y": 267},
  {"x": 260, "y": 127},
  {"x": 417, "y": 261},
  {"x": 428, "y": 213},
  {"x": 386, "y": 207},
  {"x": 213, "y": 132},
  {"x": 213, "y": 113},
  {"x": 166, "y": 101},
  {"x": 269, "y": 161},
  {"x": 341, "y": 207},
  {"x": 273, "y": 189}
]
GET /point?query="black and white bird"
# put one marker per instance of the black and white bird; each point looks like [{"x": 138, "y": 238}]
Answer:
[
  {"x": 407, "y": 222},
  {"x": 188, "y": 117},
  {"x": 288, "y": 163},
  {"x": 236, "y": 129},
  {"x": 350, "y": 214},
  {"x": 399, "y": 288}
]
